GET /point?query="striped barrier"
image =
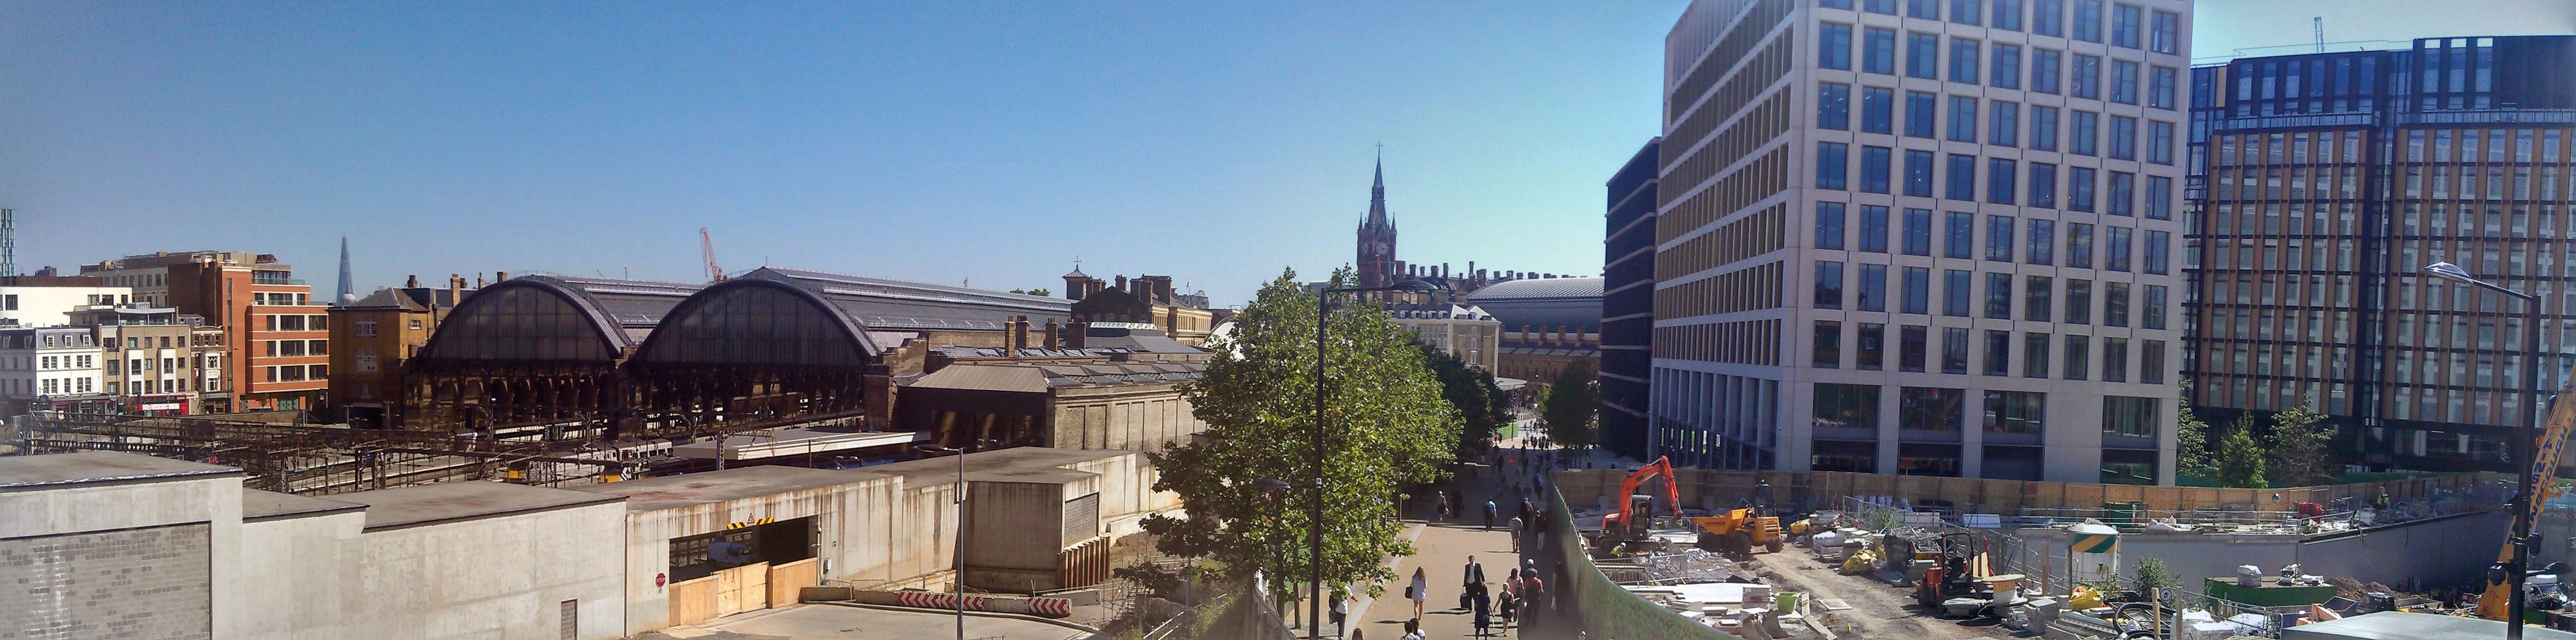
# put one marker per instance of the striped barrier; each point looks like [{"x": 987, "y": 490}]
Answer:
[
  {"x": 1049, "y": 607},
  {"x": 2095, "y": 543}
]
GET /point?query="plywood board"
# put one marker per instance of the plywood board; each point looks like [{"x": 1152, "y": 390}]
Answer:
[
  {"x": 743, "y": 588},
  {"x": 693, "y": 601},
  {"x": 787, "y": 579}
]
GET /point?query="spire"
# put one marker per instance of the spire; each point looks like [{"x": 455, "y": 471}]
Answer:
[
  {"x": 348, "y": 286},
  {"x": 1377, "y": 193}
]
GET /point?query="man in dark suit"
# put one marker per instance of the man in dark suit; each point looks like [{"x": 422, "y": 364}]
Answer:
[{"x": 1473, "y": 577}]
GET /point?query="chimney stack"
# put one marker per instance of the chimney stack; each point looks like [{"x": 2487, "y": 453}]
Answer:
[
  {"x": 1019, "y": 335},
  {"x": 455, "y": 287},
  {"x": 498, "y": 276},
  {"x": 1053, "y": 339},
  {"x": 411, "y": 281}
]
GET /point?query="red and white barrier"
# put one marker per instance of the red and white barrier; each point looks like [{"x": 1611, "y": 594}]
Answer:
[{"x": 1051, "y": 607}]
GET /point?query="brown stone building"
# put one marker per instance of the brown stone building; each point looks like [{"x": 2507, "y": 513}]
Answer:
[
  {"x": 1145, "y": 300},
  {"x": 1548, "y": 323},
  {"x": 372, "y": 339},
  {"x": 269, "y": 318},
  {"x": 154, "y": 361}
]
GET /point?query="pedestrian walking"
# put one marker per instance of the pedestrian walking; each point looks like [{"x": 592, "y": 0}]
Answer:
[
  {"x": 1413, "y": 629},
  {"x": 1484, "y": 614},
  {"x": 1419, "y": 591},
  {"x": 1472, "y": 578},
  {"x": 1489, "y": 514},
  {"x": 1516, "y": 535},
  {"x": 1440, "y": 509},
  {"x": 1341, "y": 611}
]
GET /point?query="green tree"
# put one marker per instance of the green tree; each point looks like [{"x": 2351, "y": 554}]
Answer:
[
  {"x": 1473, "y": 392},
  {"x": 2192, "y": 457},
  {"x": 2152, "y": 574},
  {"x": 1385, "y": 426},
  {"x": 2240, "y": 457},
  {"x": 2303, "y": 448},
  {"x": 1040, "y": 292},
  {"x": 1569, "y": 409}
]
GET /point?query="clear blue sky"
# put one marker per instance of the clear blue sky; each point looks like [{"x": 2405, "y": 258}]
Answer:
[{"x": 934, "y": 141}]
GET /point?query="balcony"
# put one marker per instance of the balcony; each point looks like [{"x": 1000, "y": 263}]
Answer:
[{"x": 274, "y": 277}]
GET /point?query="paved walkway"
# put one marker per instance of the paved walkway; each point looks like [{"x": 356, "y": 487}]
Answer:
[{"x": 1442, "y": 549}]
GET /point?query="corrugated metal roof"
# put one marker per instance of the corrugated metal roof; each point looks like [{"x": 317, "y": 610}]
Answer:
[
  {"x": 984, "y": 378},
  {"x": 1539, "y": 289}
]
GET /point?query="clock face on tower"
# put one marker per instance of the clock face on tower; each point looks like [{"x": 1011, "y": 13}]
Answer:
[{"x": 1378, "y": 247}]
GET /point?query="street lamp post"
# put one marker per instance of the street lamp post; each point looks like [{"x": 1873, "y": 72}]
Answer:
[
  {"x": 1315, "y": 530},
  {"x": 2516, "y": 569},
  {"x": 960, "y": 452}
]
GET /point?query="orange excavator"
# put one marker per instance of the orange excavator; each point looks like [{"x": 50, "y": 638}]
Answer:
[
  {"x": 2538, "y": 481},
  {"x": 1624, "y": 525}
]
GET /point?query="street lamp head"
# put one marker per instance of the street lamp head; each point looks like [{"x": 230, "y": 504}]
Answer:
[
  {"x": 2452, "y": 272},
  {"x": 1270, "y": 485},
  {"x": 932, "y": 448}
]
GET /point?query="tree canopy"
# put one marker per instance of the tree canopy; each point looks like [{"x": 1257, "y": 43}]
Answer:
[
  {"x": 2303, "y": 448},
  {"x": 1473, "y": 392},
  {"x": 2192, "y": 457},
  {"x": 1569, "y": 411},
  {"x": 1386, "y": 425},
  {"x": 2240, "y": 457}
]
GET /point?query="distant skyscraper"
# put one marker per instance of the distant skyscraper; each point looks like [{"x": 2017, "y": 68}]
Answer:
[
  {"x": 348, "y": 287},
  {"x": 2324, "y": 183},
  {"x": 8, "y": 242},
  {"x": 1377, "y": 266},
  {"x": 1921, "y": 237},
  {"x": 1628, "y": 303}
]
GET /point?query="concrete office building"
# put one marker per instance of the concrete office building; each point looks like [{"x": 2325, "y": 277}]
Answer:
[
  {"x": 2324, "y": 183},
  {"x": 1628, "y": 303},
  {"x": 46, "y": 301},
  {"x": 1921, "y": 236}
]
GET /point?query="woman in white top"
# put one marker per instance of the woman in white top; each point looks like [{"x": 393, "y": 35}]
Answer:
[{"x": 1421, "y": 590}]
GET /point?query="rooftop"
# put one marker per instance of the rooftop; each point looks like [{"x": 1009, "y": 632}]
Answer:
[
  {"x": 453, "y": 501},
  {"x": 1539, "y": 289},
  {"x": 2400, "y": 625},
  {"x": 99, "y": 467},
  {"x": 1015, "y": 464},
  {"x": 1039, "y": 377},
  {"x": 260, "y": 505},
  {"x": 670, "y": 492}
]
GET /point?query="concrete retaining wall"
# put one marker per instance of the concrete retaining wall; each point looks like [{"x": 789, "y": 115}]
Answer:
[
  {"x": 1608, "y": 611},
  {"x": 306, "y": 574},
  {"x": 2437, "y": 552},
  {"x": 1710, "y": 488},
  {"x": 500, "y": 577}
]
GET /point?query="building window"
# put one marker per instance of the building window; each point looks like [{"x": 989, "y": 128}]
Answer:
[
  {"x": 2167, "y": 34},
  {"x": 1923, "y": 55},
  {"x": 1878, "y": 51},
  {"x": 1998, "y": 352},
  {"x": 2115, "y": 304},
  {"x": 2079, "y": 189},
  {"x": 2007, "y": 66},
  {"x": 2115, "y": 360},
  {"x": 1919, "y": 106},
  {"x": 2129, "y": 466},
  {"x": 2088, "y": 20},
  {"x": 1999, "y": 296},
  {"x": 2087, "y": 81},
  {"x": 2008, "y": 15},
  {"x": 2123, "y": 194},
  {"x": 2016, "y": 412},
  {"x": 1918, "y": 232},
  {"x": 1931, "y": 409},
  {"x": 1925, "y": 9},
  {"x": 2125, "y": 21},
  {"x": 2034, "y": 355},
  {"x": 2158, "y": 252},
  {"x": 1846, "y": 405},
  {"x": 2043, "y": 186},
  {"x": 2047, "y": 68},
  {"x": 1873, "y": 287},
  {"x": 1829, "y": 225},
  {"x": 2078, "y": 358},
  {"x": 2160, "y": 141},
  {"x": 1918, "y": 173},
  {"x": 1874, "y": 169},
  {"x": 1829, "y": 345},
  {"x": 1999, "y": 238},
  {"x": 1873, "y": 228},
  {"x": 2083, "y": 133},
  {"x": 1962, "y": 179},
  {"x": 2124, "y": 82},
  {"x": 2154, "y": 306},
  {"x": 1963, "y": 60},
  {"x": 2048, "y": 17},
  {"x": 1959, "y": 234},
  {"x": 2036, "y": 306},
  {"x": 2124, "y": 138},
  {"x": 2160, "y": 87},
  {"x": 1999, "y": 180},
  {"x": 1831, "y": 164},
  {"x": 415, "y": 325},
  {"x": 2159, "y": 198},
  {"x": 2040, "y": 249},
  {"x": 1954, "y": 292},
  {"x": 1918, "y": 290},
  {"x": 1833, "y": 46},
  {"x": 2116, "y": 248},
  {"x": 2079, "y": 302},
  {"x": 1872, "y": 346},
  {"x": 1829, "y": 285},
  {"x": 1963, "y": 119},
  {"x": 2003, "y": 125},
  {"x": 2132, "y": 417},
  {"x": 1833, "y": 105},
  {"x": 1877, "y": 110},
  {"x": 2043, "y": 128},
  {"x": 1910, "y": 348}
]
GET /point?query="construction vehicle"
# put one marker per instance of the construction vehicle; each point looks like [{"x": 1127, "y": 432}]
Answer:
[
  {"x": 1737, "y": 532},
  {"x": 2538, "y": 481},
  {"x": 1625, "y": 526}
]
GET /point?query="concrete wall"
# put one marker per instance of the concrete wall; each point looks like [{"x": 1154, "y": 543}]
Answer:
[
  {"x": 1016, "y": 533},
  {"x": 1141, "y": 417},
  {"x": 1127, "y": 493},
  {"x": 211, "y": 504},
  {"x": 303, "y": 573},
  {"x": 853, "y": 538},
  {"x": 2438, "y": 552},
  {"x": 497, "y": 577}
]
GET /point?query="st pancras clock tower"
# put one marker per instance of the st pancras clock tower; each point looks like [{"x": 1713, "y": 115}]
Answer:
[{"x": 1377, "y": 266}]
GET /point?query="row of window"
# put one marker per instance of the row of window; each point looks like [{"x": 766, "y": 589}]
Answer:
[
  {"x": 167, "y": 385},
  {"x": 1851, "y": 406},
  {"x": 168, "y": 342},
  {"x": 294, "y": 348},
  {"x": 2162, "y": 30},
  {"x": 1958, "y": 238},
  {"x": 366, "y": 327},
  {"x": 280, "y": 299},
  {"x": 2085, "y": 133},
  {"x": 48, "y": 363},
  {"x": 296, "y": 372},
  {"x": 2086, "y": 189},
  {"x": 51, "y": 386},
  {"x": 140, "y": 366},
  {"x": 1957, "y": 296},
  {"x": 48, "y": 340},
  {"x": 2000, "y": 65},
  {"x": 299, "y": 323},
  {"x": 1869, "y": 352}
]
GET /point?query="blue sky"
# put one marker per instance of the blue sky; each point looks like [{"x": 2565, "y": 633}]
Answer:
[{"x": 948, "y": 142}]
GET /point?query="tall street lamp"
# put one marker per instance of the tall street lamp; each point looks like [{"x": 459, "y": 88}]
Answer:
[
  {"x": 2515, "y": 569},
  {"x": 1274, "y": 487},
  {"x": 961, "y": 525},
  {"x": 1315, "y": 531}
]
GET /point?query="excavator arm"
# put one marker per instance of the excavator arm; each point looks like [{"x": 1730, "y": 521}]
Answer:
[
  {"x": 2542, "y": 474},
  {"x": 1628, "y": 487}
]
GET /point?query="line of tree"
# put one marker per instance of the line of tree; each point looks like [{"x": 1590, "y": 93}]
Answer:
[
  {"x": 1386, "y": 425},
  {"x": 1569, "y": 408},
  {"x": 1471, "y": 389},
  {"x": 2296, "y": 450}
]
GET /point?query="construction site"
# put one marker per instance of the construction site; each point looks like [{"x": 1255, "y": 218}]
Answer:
[{"x": 1772, "y": 554}]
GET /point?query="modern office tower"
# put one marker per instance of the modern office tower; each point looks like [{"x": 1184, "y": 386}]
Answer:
[
  {"x": 1628, "y": 303},
  {"x": 1922, "y": 236},
  {"x": 2324, "y": 183}
]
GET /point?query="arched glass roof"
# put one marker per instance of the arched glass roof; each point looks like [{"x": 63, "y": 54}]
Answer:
[
  {"x": 533, "y": 318},
  {"x": 761, "y": 321}
]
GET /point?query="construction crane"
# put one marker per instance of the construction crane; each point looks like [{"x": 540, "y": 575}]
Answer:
[
  {"x": 707, "y": 246},
  {"x": 2540, "y": 478}
]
